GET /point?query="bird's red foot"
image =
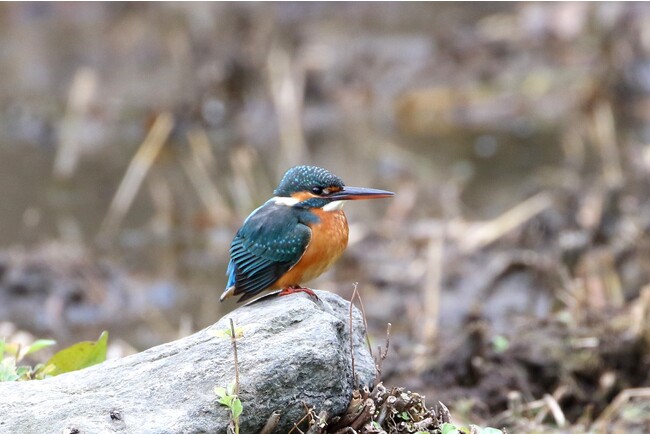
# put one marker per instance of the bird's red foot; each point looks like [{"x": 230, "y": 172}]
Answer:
[{"x": 293, "y": 290}]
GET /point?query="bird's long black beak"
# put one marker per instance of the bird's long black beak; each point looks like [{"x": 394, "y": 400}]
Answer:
[{"x": 358, "y": 193}]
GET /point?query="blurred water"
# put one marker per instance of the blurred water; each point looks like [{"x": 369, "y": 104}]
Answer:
[{"x": 477, "y": 97}]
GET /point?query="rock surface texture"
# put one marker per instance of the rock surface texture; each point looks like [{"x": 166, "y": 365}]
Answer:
[{"x": 294, "y": 350}]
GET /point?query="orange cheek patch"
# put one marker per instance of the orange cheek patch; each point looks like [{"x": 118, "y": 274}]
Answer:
[{"x": 303, "y": 195}]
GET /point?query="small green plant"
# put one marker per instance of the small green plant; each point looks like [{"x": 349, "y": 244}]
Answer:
[
  {"x": 500, "y": 344},
  {"x": 228, "y": 397},
  {"x": 12, "y": 354},
  {"x": 75, "y": 357},
  {"x": 78, "y": 356},
  {"x": 450, "y": 428},
  {"x": 227, "y": 332}
]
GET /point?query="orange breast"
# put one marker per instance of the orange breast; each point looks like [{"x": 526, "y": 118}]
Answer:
[{"x": 329, "y": 238}]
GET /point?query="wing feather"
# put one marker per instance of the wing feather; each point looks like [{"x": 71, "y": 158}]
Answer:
[{"x": 271, "y": 241}]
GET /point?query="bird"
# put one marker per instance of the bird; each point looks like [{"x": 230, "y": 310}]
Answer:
[{"x": 293, "y": 237}]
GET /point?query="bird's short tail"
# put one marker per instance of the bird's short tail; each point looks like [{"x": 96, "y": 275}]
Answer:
[{"x": 227, "y": 293}]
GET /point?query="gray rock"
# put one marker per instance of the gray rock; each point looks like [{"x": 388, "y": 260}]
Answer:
[{"x": 294, "y": 350}]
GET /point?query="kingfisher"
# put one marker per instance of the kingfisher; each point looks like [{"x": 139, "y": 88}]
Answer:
[{"x": 295, "y": 236}]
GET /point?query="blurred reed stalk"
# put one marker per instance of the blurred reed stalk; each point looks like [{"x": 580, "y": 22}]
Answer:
[
  {"x": 287, "y": 84},
  {"x": 80, "y": 97},
  {"x": 246, "y": 169},
  {"x": 432, "y": 288},
  {"x": 136, "y": 172},
  {"x": 603, "y": 132},
  {"x": 484, "y": 234},
  {"x": 197, "y": 167},
  {"x": 69, "y": 151}
]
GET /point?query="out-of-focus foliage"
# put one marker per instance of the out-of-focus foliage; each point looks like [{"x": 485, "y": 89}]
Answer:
[{"x": 73, "y": 358}]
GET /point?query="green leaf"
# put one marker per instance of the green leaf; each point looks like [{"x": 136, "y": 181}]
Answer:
[
  {"x": 489, "y": 430},
  {"x": 404, "y": 415},
  {"x": 500, "y": 344},
  {"x": 42, "y": 371},
  {"x": 39, "y": 344},
  {"x": 35, "y": 346},
  {"x": 448, "y": 428},
  {"x": 220, "y": 391},
  {"x": 236, "y": 408},
  {"x": 8, "y": 370},
  {"x": 78, "y": 356},
  {"x": 227, "y": 333},
  {"x": 224, "y": 333},
  {"x": 11, "y": 348},
  {"x": 226, "y": 400},
  {"x": 24, "y": 372}
]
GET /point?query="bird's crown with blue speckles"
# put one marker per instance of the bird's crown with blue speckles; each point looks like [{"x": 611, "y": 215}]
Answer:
[{"x": 304, "y": 178}]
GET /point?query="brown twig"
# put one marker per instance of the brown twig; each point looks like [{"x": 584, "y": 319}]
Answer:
[
  {"x": 80, "y": 98},
  {"x": 379, "y": 361},
  {"x": 138, "y": 168},
  {"x": 354, "y": 374},
  {"x": 346, "y": 430},
  {"x": 233, "y": 338},
  {"x": 365, "y": 415},
  {"x": 621, "y": 399},
  {"x": 308, "y": 413},
  {"x": 271, "y": 423},
  {"x": 365, "y": 320},
  {"x": 287, "y": 87},
  {"x": 316, "y": 428},
  {"x": 444, "y": 415}
]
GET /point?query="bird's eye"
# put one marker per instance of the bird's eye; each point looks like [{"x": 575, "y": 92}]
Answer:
[{"x": 317, "y": 190}]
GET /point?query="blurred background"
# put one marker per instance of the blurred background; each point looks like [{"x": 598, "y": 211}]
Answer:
[{"x": 135, "y": 138}]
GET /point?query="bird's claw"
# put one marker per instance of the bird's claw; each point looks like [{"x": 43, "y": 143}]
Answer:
[{"x": 293, "y": 290}]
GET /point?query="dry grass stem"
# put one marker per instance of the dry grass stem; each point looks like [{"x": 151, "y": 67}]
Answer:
[
  {"x": 246, "y": 169},
  {"x": 318, "y": 426},
  {"x": 486, "y": 233},
  {"x": 206, "y": 189},
  {"x": 365, "y": 325},
  {"x": 198, "y": 169},
  {"x": 354, "y": 373},
  {"x": 271, "y": 423},
  {"x": 233, "y": 338},
  {"x": 287, "y": 82},
  {"x": 621, "y": 399},
  {"x": 604, "y": 132},
  {"x": 136, "y": 172},
  {"x": 163, "y": 203},
  {"x": 201, "y": 148},
  {"x": 555, "y": 409},
  {"x": 379, "y": 360},
  {"x": 431, "y": 289},
  {"x": 82, "y": 92}
]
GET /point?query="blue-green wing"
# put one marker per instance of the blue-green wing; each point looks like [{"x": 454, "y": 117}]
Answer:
[{"x": 271, "y": 241}]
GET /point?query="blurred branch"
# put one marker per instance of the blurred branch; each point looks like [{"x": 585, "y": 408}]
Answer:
[
  {"x": 197, "y": 168},
  {"x": 81, "y": 94},
  {"x": 487, "y": 233},
  {"x": 432, "y": 287},
  {"x": 604, "y": 133},
  {"x": 287, "y": 82},
  {"x": 136, "y": 172}
]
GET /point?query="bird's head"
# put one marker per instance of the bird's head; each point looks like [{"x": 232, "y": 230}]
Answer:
[{"x": 315, "y": 187}]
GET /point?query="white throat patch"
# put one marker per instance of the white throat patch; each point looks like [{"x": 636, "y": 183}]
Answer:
[
  {"x": 286, "y": 201},
  {"x": 290, "y": 201},
  {"x": 334, "y": 206}
]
